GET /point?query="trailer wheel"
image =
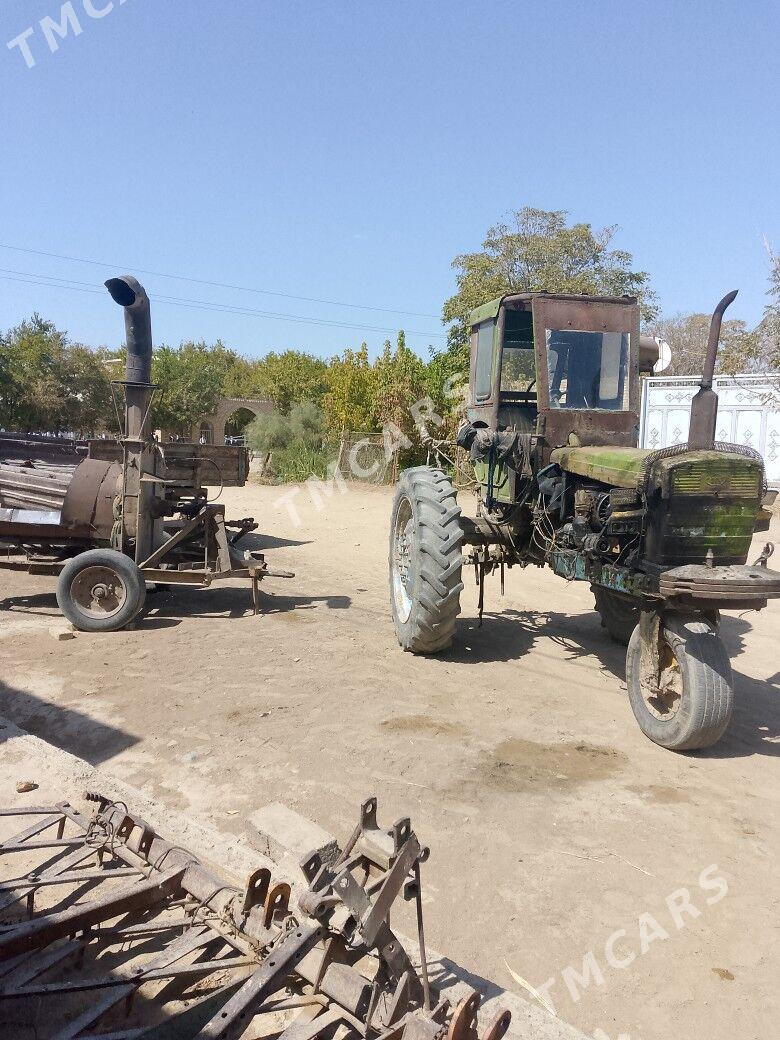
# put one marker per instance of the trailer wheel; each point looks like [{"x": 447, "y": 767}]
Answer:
[
  {"x": 618, "y": 614},
  {"x": 100, "y": 590},
  {"x": 425, "y": 560},
  {"x": 692, "y": 708}
]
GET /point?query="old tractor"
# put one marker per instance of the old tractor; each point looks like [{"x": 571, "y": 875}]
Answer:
[{"x": 661, "y": 536}]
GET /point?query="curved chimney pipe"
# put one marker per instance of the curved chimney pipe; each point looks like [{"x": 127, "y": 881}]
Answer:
[{"x": 131, "y": 295}]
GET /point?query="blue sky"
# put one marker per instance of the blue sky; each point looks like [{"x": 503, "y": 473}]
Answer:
[{"x": 348, "y": 151}]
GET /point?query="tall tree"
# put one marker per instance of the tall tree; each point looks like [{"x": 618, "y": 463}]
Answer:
[
  {"x": 190, "y": 378},
  {"x": 49, "y": 384},
  {"x": 400, "y": 382},
  {"x": 538, "y": 250},
  {"x": 350, "y": 400},
  {"x": 289, "y": 378},
  {"x": 687, "y": 336}
]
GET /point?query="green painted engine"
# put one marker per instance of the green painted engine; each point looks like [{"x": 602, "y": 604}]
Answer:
[{"x": 677, "y": 506}]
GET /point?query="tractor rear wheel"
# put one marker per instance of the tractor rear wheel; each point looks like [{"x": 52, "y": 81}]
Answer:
[
  {"x": 100, "y": 590},
  {"x": 425, "y": 560},
  {"x": 619, "y": 615},
  {"x": 691, "y": 707}
]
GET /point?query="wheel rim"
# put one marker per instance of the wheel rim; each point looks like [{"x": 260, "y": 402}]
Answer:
[
  {"x": 664, "y": 702},
  {"x": 401, "y": 562},
  {"x": 98, "y": 592}
]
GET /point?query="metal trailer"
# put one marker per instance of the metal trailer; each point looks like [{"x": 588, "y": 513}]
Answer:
[{"x": 132, "y": 512}]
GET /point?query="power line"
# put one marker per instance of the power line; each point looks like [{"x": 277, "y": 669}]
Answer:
[
  {"x": 218, "y": 285},
  {"x": 30, "y": 278}
]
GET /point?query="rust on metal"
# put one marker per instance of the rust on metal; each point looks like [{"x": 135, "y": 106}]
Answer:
[{"x": 111, "y": 930}]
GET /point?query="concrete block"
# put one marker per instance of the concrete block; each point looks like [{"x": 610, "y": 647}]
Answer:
[{"x": 279, "y": 833}]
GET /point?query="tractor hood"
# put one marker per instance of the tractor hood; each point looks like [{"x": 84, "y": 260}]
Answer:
[{"x": 618, "y": 467}]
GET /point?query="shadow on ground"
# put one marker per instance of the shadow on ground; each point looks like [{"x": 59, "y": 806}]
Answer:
[
  {"x": 170, "y": 605},
  {"x": 256, "y": 541},
  {"x": 63, "y": 727},
  {"x": 509, "y": 635}
]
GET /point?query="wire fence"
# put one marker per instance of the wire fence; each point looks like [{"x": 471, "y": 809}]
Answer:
[{"x": 364, "y": 457}]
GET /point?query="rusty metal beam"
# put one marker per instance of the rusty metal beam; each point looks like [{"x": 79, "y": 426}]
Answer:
[{"x": 126, "y": 899}]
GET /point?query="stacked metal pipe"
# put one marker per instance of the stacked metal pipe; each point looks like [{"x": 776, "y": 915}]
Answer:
[{"x": 41, "y": 486}]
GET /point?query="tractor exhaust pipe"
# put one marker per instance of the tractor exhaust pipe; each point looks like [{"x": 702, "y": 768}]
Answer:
[{"x": 704, "y": 406}]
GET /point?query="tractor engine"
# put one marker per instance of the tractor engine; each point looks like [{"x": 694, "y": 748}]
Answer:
[{"x": 703, "y": 506}]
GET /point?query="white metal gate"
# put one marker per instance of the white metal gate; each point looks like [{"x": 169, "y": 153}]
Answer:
[{"x": 748, "y": 413}]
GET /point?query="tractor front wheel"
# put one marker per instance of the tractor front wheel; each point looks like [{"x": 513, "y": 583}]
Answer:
[
  {"x": 691, "y": 704},
  {"x": 425, "y": 560},
  {"x": 100, "y": 590}
]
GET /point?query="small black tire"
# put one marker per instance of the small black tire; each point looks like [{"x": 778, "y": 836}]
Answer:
[
  {"x": 425, "y": 560},
  {"x": 100, "y": 590},
  {"x": 700, "y": 711},
  {"x": 619, "y": 615}
]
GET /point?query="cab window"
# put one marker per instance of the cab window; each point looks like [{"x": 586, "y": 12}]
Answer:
[
  {"x": 518, "y": 363},
  {"x": 483, "y": 368},
  {"x": 587, "y": 369}
]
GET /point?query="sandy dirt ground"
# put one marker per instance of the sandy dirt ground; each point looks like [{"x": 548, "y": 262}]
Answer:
[{"x": 565, "y": 844}]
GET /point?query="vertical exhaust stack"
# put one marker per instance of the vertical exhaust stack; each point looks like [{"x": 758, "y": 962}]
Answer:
[
  {"x": 131, "y": 295},
  {"x": 704, "y": 406},
  {"x": 139, "y": 528}
]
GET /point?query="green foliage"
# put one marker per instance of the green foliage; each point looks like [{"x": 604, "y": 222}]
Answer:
[
  {"x": 49, "y": 384},
  {"x": 296, "y": 443},
  {"x": 537, "y": 250},
  {"x": 190, "y": 378},
  {"x": 400, "y": 381},
  {"x": 350, "y": 400},
  {"x": 287, "y": 378}
]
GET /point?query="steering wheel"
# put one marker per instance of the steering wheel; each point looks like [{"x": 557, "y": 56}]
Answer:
[{"x": 527, "y": 392}]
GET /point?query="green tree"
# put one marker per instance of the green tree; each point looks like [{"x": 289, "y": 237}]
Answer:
[
  {"x": 33, "y": 378},
  {"x": 687, "y": 336},
  {"x": 295, "y": 445},
  {"x": 538, "y": 250},
  {"x": 400, "y": 383},
  {"x": 190, "y": 378},
  {"x": 350, "y": 400},
  {"x": 47, "y": 383},
  {"x": 288, "y": 378}
]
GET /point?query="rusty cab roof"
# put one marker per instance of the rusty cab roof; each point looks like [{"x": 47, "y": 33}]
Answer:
[{"x": 491, "y": 308}]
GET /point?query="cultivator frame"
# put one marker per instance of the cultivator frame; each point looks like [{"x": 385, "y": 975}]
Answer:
[{"x": 190, "y": 954}]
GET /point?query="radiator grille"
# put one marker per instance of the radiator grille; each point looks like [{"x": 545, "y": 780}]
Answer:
[{"x": 717, "y": 476}]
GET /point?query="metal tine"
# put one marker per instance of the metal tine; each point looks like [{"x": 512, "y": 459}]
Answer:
[
  {"x": 124, "y": 899},
  {"x": 38, "y": 962},
  {"x": 179, "y": 948},
  {"x": 113, "y": 985},
  {"x": 75, "y": 876},
  {"x": 56, "y": 864},
  {"x": 30, "y": 810},
  {"x": 32, "y": 830}
]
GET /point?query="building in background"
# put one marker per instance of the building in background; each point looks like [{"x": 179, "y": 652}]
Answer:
[{"x": 748, "y": 413}]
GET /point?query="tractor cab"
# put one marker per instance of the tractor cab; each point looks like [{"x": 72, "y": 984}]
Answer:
[{"x": 556, "y": 370}]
